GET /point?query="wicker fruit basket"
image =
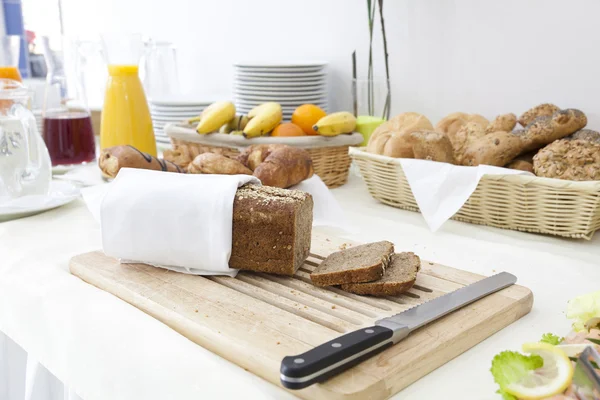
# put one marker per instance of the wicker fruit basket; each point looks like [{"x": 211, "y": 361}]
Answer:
[
  {"x": 329, "y": 154},
  {"x": 524, "y": 203}
]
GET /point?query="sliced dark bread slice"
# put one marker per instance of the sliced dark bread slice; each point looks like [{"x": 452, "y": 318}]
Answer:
[
  {"x": 362, "y": 263},
  {"x": 399, "y": 276}
]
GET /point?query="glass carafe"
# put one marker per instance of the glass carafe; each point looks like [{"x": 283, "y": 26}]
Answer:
[
  {"x": 67, "y": 122},
  {"x": 9, "y": 57},
  {"x": 159, "y": 74},
  {"x": 24, "y": 160},
  {"x": 125, "y": 116}
]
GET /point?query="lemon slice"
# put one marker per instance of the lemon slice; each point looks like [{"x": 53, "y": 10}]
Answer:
[{"x": 553, "y": 378}]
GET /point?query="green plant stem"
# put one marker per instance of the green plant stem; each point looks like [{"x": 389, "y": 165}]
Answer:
[
  {"x": 388, "y": 97},
  {"x": 370, "y": 94}
]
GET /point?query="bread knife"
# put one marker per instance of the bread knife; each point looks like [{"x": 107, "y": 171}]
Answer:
[
  {"x": 586, "y": 379},
  {"x": 337, "y": 355}
]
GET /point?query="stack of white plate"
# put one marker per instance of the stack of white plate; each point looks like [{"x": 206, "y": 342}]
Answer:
[
  {"x": 169, "y": 111},
  {"x": 290, "y": 85}
]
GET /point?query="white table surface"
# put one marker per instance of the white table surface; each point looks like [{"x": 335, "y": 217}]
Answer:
[{"x": 102, "y": 347}]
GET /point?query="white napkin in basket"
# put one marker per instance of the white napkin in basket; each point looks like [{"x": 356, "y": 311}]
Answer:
[{"x": 441, "y": 189}]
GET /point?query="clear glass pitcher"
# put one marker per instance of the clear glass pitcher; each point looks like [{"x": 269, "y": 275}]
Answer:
[
  {"x": 9, "y": 57},
  {"x": 125, "y": 116},
  {"x": 24, "y": 160},
  {"x": 67, "y": 122},
  {"x": 159, "y": 70}
]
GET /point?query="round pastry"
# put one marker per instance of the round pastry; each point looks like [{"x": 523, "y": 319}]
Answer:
[
  {"x": 391, "y": 138},
  {"x": 452, "y": 123}
]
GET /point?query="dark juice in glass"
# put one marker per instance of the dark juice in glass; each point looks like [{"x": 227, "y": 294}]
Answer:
[{"x": 69, "y": 137}]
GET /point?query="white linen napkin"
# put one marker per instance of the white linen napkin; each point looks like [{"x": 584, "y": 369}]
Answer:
[
  {"x": 441, "y": 189},
  {"x": 152, "y": 217},
  {"x": 178, "y": 221}
]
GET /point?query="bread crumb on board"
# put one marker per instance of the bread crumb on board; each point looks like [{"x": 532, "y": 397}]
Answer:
[
  {"x": 333, "y": 307},
  {"x": 344, "y": 246},
  {"x": 195, "y": 310}
]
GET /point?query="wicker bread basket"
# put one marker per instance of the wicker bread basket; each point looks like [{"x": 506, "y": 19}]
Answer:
[
  {"x": 329, "y": 154},
  {"x": 518, "y": 202}
]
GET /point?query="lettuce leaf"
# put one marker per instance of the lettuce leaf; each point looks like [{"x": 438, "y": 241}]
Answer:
[
  {"x": 583, "y": 308},
  {"x": 510, "y": 366},
  {"x": 506, "y": 395},
  {"x": 551, "y": 338}
]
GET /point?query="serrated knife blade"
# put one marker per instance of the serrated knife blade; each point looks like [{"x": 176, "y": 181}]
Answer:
[{"x": 337, "y": 355}]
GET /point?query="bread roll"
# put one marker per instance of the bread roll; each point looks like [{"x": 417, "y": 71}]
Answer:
[
  {"x": 542, "y": 110},
  {"x": 497, "y": 148},
  {"x": 504, "y": 122},
  {"x": 391, "y": 138},
  {"x": 284, "y": 167},
  {"x": 180, "y": 156},
  {"x": 585, "y": 134},
  {"x": 545, "y": 130},
  {"x": 520, "y": 165},
  {"x": 210, "y": 163},
  {"x": 430, "y": 145},
  {"x": 114, "y": 158},
  {"x": 576, "y": 160},
  {"x": 253, "y": 155},
  {"x": 452, "y": 123},
  {"x": 467, "y": 134}
]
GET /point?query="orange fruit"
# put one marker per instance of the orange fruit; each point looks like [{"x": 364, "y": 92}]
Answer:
[
  {"x": 306, "y": 116},
  {"x": 287, "y": 129}
]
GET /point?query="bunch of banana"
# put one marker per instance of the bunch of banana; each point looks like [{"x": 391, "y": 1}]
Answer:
[
  {"x": 238, "y": 123},
  {"x": 335, "y": 124},
  {"x": 263, "y": 119},
  {"x": 215, "y": 116}
]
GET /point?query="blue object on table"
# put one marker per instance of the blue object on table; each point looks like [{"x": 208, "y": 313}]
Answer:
[{"x": 13, "y": 20}]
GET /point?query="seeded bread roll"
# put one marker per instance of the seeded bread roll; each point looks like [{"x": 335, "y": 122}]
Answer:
[
  {"x": 466, "y": 135},
  {"x": 585, "y": 134},
  {"x": 399, "y": 276},
  {"x": 545, "y": 130},
  {"x": 362, "y": 263},
  {"x": 271, "y": 229},
  {"x": 542, "y": 110},
  {"x": 576, "y": 160}
]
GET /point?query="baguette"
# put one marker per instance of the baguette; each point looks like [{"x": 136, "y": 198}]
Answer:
[
  {"x": 497, "y": 149},
  {"x": 546, "y": 129},
  {"x": 114, "y": 158}
]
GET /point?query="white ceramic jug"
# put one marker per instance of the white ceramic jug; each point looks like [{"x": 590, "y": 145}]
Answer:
[{"x": 25, "y": 167}]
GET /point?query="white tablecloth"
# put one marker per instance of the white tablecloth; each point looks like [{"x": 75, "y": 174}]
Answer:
[{"x": 103, "y": 348}]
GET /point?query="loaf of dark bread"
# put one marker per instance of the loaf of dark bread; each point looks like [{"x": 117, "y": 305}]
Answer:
[{"x": 271, "y": 229}]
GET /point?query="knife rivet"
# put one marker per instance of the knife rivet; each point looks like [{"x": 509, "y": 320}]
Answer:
[
  {"x": 369, "y": 331},
  {"x": 336, "y": 345},
  {"x": 299, "y": 360}
]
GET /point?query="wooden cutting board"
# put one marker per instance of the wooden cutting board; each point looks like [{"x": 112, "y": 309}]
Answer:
[{"x": 256, "y": 319}]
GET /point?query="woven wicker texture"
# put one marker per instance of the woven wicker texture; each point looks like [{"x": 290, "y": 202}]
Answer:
[
  {"x": 524, "y": 203},
  {"x": 332, "y": 164}
]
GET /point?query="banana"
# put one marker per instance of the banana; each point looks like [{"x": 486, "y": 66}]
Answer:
[
  {"x": 236, "y": 124},
  {"x": 335, "y": 124},
  {"x": 263, "y": 119},
  {"x": 236, "y": 133},
  {"x": 215, "y": 116}
]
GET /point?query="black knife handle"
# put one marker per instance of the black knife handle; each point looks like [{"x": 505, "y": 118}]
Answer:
[{"x": 333, "y": 357}]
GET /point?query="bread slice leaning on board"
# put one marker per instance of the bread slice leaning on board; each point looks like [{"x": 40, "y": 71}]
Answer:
[{"x": 471, "y": 140}]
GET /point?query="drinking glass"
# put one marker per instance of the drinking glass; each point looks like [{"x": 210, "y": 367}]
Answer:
[
  {"x": 67, "y": 122},
  {"x": 9, "y": 57},
  {"x": 159, "y": 70}
]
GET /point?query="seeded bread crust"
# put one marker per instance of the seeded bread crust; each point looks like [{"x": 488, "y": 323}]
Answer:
[
  {"x": 399, "y": 277},
  {"x": 271, "y": 229},
  {"x": 354, "y": 265}
]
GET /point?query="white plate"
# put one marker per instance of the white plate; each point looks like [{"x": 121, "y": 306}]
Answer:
[
  {"x": 277, "y": 70},
  {"x": 174, "y": 113},
  {"x": 277, "y": 81},
  {"x": 292, "y": 92},
  {"x": 250, "y": 104},
  {"x": 178, "y": 110},
  {"x": 280, "y": 75},
  {"x": 280, "y": 99},
  {"x": 179, "y": 102},
  {"x": 320, "y": 85},
  {"x": 295, "y": 64},
  {"x": 59, "y": 194}
]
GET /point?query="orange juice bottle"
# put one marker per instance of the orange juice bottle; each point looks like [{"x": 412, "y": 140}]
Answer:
[{"x": 125, "y": 116}]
